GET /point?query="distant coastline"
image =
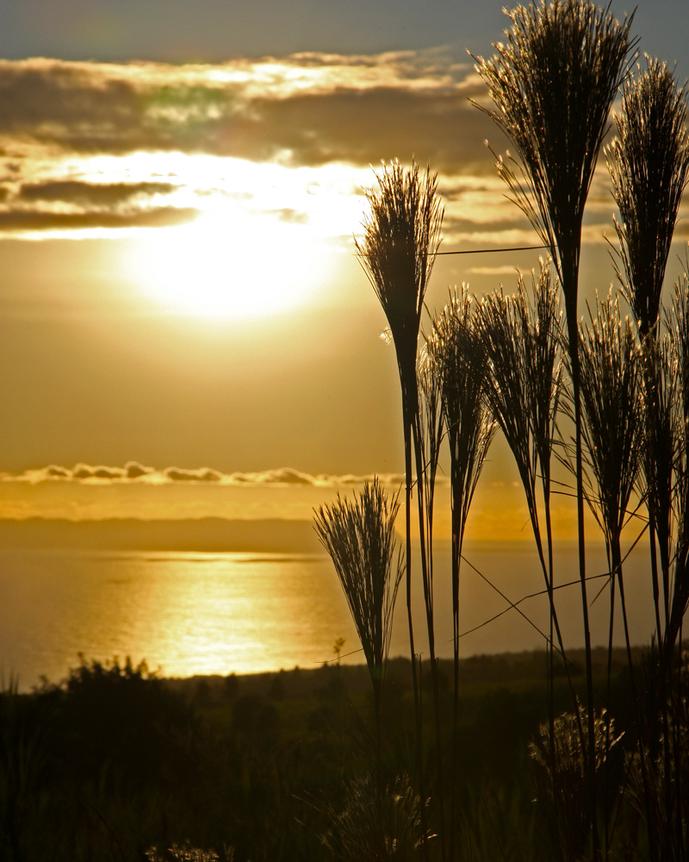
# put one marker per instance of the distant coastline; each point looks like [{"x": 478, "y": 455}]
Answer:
[{"x": 133, "y": 534}]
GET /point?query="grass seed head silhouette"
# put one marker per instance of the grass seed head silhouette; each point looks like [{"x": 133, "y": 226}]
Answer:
[
  {"x": 506, "y": 380},
  {"x": 611, "y": 387},
  {"x": 560, "y": 780},
  {"x": 397, "y": 252},
  {"x": 458, "y": 356},
  {"x": 552, "y": 83},
  {"x": 648, "y": 163},
  {"x": 570, "y": 759},
  {"x": 521, "y": 339},
  {"x": 541, "y": 322},
  {"x": 680, "y": 320},
  {"x": 394, "y": 829},
  {"x": 359, "y": 535},
  {"x": 401, "y": 236}
]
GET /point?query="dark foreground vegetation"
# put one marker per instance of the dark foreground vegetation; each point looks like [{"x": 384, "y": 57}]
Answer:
[{"x": 117, "y": 764}]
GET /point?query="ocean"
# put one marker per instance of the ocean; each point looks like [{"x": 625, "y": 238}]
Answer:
[{"x": 220, "y": 613}]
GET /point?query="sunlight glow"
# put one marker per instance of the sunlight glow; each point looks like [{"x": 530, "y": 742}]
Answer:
[{"x": 229, "y": 264}]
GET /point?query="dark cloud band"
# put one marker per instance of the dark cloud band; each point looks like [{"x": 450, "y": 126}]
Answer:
[
  {"x": 413, "y": 105},
  {"x": 90, "y": 194},
  {"x": 40, "y": 220}
]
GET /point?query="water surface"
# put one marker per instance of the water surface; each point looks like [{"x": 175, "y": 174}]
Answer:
[{"x": 196, "y": 613}]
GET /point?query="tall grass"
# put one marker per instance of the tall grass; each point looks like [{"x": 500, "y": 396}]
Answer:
[
  {"x": 359, "y": 535},
  {"x": 20, "y": 765},
  {"x": 397, "y": 252},
  {"x": 561, "y": 780},
  {"x": 458, "y": 360},
  {"x": 401, "y": 236},
  {"x": 679, "y": 599},
  {"x": 499, "y": 363},
  {"x": 430, "y": 439},
  {"x": 393, "y": 831},
  {"x": 648, "y": 163},
  {"x": 649, "y": 166},
  {"x": 611, "y": 378},
  {"x": 521, "y": 339},
  {"x": 433, "y": 425},
  {"x": 552, "y": 83},
  {"x": 611, "y": 388}
]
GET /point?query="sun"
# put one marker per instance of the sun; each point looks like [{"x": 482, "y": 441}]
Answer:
[{"x": 228, "y": 264}]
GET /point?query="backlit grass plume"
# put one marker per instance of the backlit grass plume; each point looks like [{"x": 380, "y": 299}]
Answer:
[
  {"x": 679, "y": 602},
  {"x": 359, "y": 831},
  {"x": 561, "y": 788},
  {"x": 552, "y": 83},
  {"x": 613, "y": 432},
  {"x": 401, "y": 236},
  {"x": 397, "y": 252},
  {"x": 521, "y": 338},
  {"x": 611, "y": 386},
  {"x": 458, "y": 359},
  {"x": 649, "y": 166},
  {"x": 521, "y": 341},
  {"x": 660, "y": 392},
  {"x": 359, "y": 535}
]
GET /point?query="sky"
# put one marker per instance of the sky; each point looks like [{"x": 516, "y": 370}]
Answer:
[{"x": 184, "y": 328}]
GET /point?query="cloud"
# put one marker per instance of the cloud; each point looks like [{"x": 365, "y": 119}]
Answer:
[
  {"x": 436, "y": 125},
  {"x": 133, "y": 472},
  {"x": 84, "y": 471},
  {"x": 88, "y": 145},
  {"x": 201, "y": 475},
  {"x": 38, "y": 220},
  {"x": 54, "y": 472},
  {"x": 280, "y": 476},
  {"x": 90, "y": 194},
  {"x": 306, "y": 109},
  {"x": 289, "y": 215}
]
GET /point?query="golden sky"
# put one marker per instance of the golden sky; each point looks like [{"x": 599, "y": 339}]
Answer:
[{"x": 184, "y": 327}]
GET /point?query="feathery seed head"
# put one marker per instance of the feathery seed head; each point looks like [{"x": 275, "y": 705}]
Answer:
[
  {"x": 552, "y": 84},
  {"x": 397, "y": 249},
  {"x": 521, "y": 336},
  {"x": 457, "y": 349},
  {"x": 613, "y": 430},
  {"x": 359, "y": 535},
  {"x": 648, "y": 162}
]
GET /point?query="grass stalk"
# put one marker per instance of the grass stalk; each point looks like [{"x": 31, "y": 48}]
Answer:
[
  {"x": 397, "y": 252},
  {"x": 427, "y": 448},
  {"x": 649, "y": 166},
  {"x": 359, "y": 535},
  {"x": 458, "y": 358},
  {"x": 552, "y": 83},
  {"x": 521, "y": 339}
]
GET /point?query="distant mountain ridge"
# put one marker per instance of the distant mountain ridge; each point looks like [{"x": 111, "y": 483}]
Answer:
[{"x": 132, "y": 534}]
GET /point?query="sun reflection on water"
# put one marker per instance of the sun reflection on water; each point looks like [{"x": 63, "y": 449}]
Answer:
[
  {"x": 204, "y": 613},
  {"x": 184, "y": 613},
  {"x": 233, "y": 614}
]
